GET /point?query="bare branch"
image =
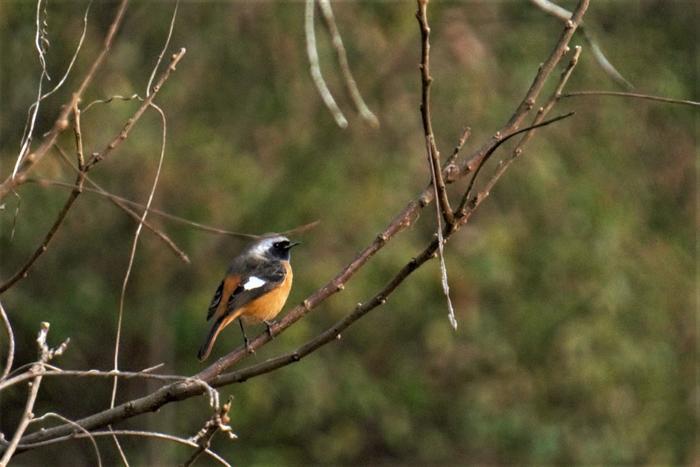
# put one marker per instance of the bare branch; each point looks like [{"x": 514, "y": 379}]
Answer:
[
  {"x": 341, "y": 57},
  {"x": 124, "y": 133},
  {"x": 442, "y": 206},
  {"x": 563, "y": 15},
  {"x": 45, "y": 355},
  {"x": 61, "y": 123},
  {"x": 218, "y": 422},
  {"x": 78, "y": 427},
  {"x": 633, "y": 95},
  {"x": 10, "y": 344},
  {"x": 316, "y": 75}
]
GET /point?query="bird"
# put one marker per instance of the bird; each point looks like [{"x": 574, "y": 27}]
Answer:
[{"x": 255, "y": 288}]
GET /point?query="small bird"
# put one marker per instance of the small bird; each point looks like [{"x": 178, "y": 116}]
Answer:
[{"x": 255, "y": 287}]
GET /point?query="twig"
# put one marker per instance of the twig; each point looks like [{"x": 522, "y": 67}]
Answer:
[
  {"x": 10, "y": 344},
  {"x": 76, "y": 191},
  {"x": 342, "y": 58},
  {"x": 316, "y": 75},
  {"x": 442, "y": 206},
  {"x": 465, "y": 199},
  {"x": 4, "y": 384},
  {"x": 124, "y": 133},
  {"x": 132, "y": 256},
  {"x": 563, "y": 15},
  {"x": 121, "y": 205},
  {"x": 45, "y": 355},
  {"x": 634, "y": 95},
  {"x": 112, "y": 98},
  {"x": 218, "y": 422},
  {"x": 61, "y": 123},
  {"x": 177, "y": 219},
  {"x": 163, "y": 50},
  {"x": 31, "y": 114},
  {"x": 144, "y": 434},
  {"x": 78, "y": 427},
  {"x": 466, "y": 133},
  {"x": 431, "y": 147}
]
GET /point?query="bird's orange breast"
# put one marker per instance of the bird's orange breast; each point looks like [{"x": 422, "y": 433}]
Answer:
[{"x": 269, "y": 305}]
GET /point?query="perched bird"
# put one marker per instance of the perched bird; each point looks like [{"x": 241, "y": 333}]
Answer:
[{"x": 255, "y": 288}]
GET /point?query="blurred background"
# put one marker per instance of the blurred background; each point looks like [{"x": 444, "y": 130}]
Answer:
[{"x": 574, "y": 284}]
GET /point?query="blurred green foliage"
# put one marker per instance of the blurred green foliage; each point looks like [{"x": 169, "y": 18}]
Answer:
[{"x": 575, "y": 284}]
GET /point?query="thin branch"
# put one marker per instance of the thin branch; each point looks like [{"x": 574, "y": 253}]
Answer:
[
  {"x": 132, "y": 256},
  {"x": 342, "y": 58},
  {"x": 65, "y": 74},
  {"x": 4, "y": 384},
  {"x": 61, "y": 123},
  {"x": 78, "y": 427},
  {"x": 316, "y": 75},
  {"x": 163, "y": 50},
  {"x": 218, "y": 422},
  {"x": 112, "y": 98},
  {"x": 465, "y": 199},
  {"x": 177, "y": 219},
  {"x": 431, "y": 147},
  {"x": 563, "y": 15},
  {"x": 76, "y": 191},
  {"x": 124, "y": 133},
  {"x": 442, "y": 206},
  {"x": 45, "y": 355},
  {"x": 143, "y": 434},
  {"x": 633, "y": 95},
  {"x": 466, "y": 133},
  {"x": 10, "y": 344},
  {"x": 121, "y": 205}
]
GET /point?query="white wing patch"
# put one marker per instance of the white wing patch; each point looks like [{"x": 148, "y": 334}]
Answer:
[{"x": 253, "y": 283}]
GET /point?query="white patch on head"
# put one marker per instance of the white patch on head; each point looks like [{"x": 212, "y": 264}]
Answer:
[
  {"x": 253, "y": 283},
  {"x": 263, "y": 246}
]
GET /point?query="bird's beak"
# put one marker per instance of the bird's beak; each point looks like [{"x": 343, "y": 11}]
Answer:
[{"x": 293, "y": 244}]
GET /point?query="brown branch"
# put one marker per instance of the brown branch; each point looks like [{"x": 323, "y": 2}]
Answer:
[
  {"x": 431, "y": 147},
  {"x": 46, "y": 354},
  {"x": 634, "y": 95},
  {"x": 121, "y": 204},
  {"x": 61, "y": 123},
  {"x": 24, "y": 270},
  {"x": 186, "y": 389},
  {"x": 124, "y": 133},
  {"x": 218, "y": 422}
]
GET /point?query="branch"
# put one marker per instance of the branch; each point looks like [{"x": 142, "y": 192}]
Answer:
[
  {"x": 563, "y": 15},
  {"x": 634, "y": 95},
  {"x": 124, "y": 133},
  {"x": 46, "y": 354},
  {"x": 316, "y": 75},
  {"x": 431, "y": 147},
  {"x": 61, "y": 122},
  {"x": 10, "y": 344},
  {"x": 341, "y": 57}
]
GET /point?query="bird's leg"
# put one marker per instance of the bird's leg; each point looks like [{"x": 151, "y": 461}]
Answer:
[
  {"x": 269, "y": 324},
  {"x": 245, "y": 338}
]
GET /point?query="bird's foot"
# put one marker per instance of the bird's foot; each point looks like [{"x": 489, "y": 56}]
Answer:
[{"x": 269, "y": 327}]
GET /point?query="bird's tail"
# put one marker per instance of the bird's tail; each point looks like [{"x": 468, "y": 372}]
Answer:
[{"x": 216, "y": 328}]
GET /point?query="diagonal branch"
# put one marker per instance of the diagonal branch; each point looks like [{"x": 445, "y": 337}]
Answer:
[{"x": 61, "y": 123}]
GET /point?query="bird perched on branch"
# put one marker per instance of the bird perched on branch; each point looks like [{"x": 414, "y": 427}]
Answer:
[{"x": 255, "y": 288}]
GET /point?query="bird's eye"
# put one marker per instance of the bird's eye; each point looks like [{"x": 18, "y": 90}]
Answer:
[{"x": 281, "y": 245}]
